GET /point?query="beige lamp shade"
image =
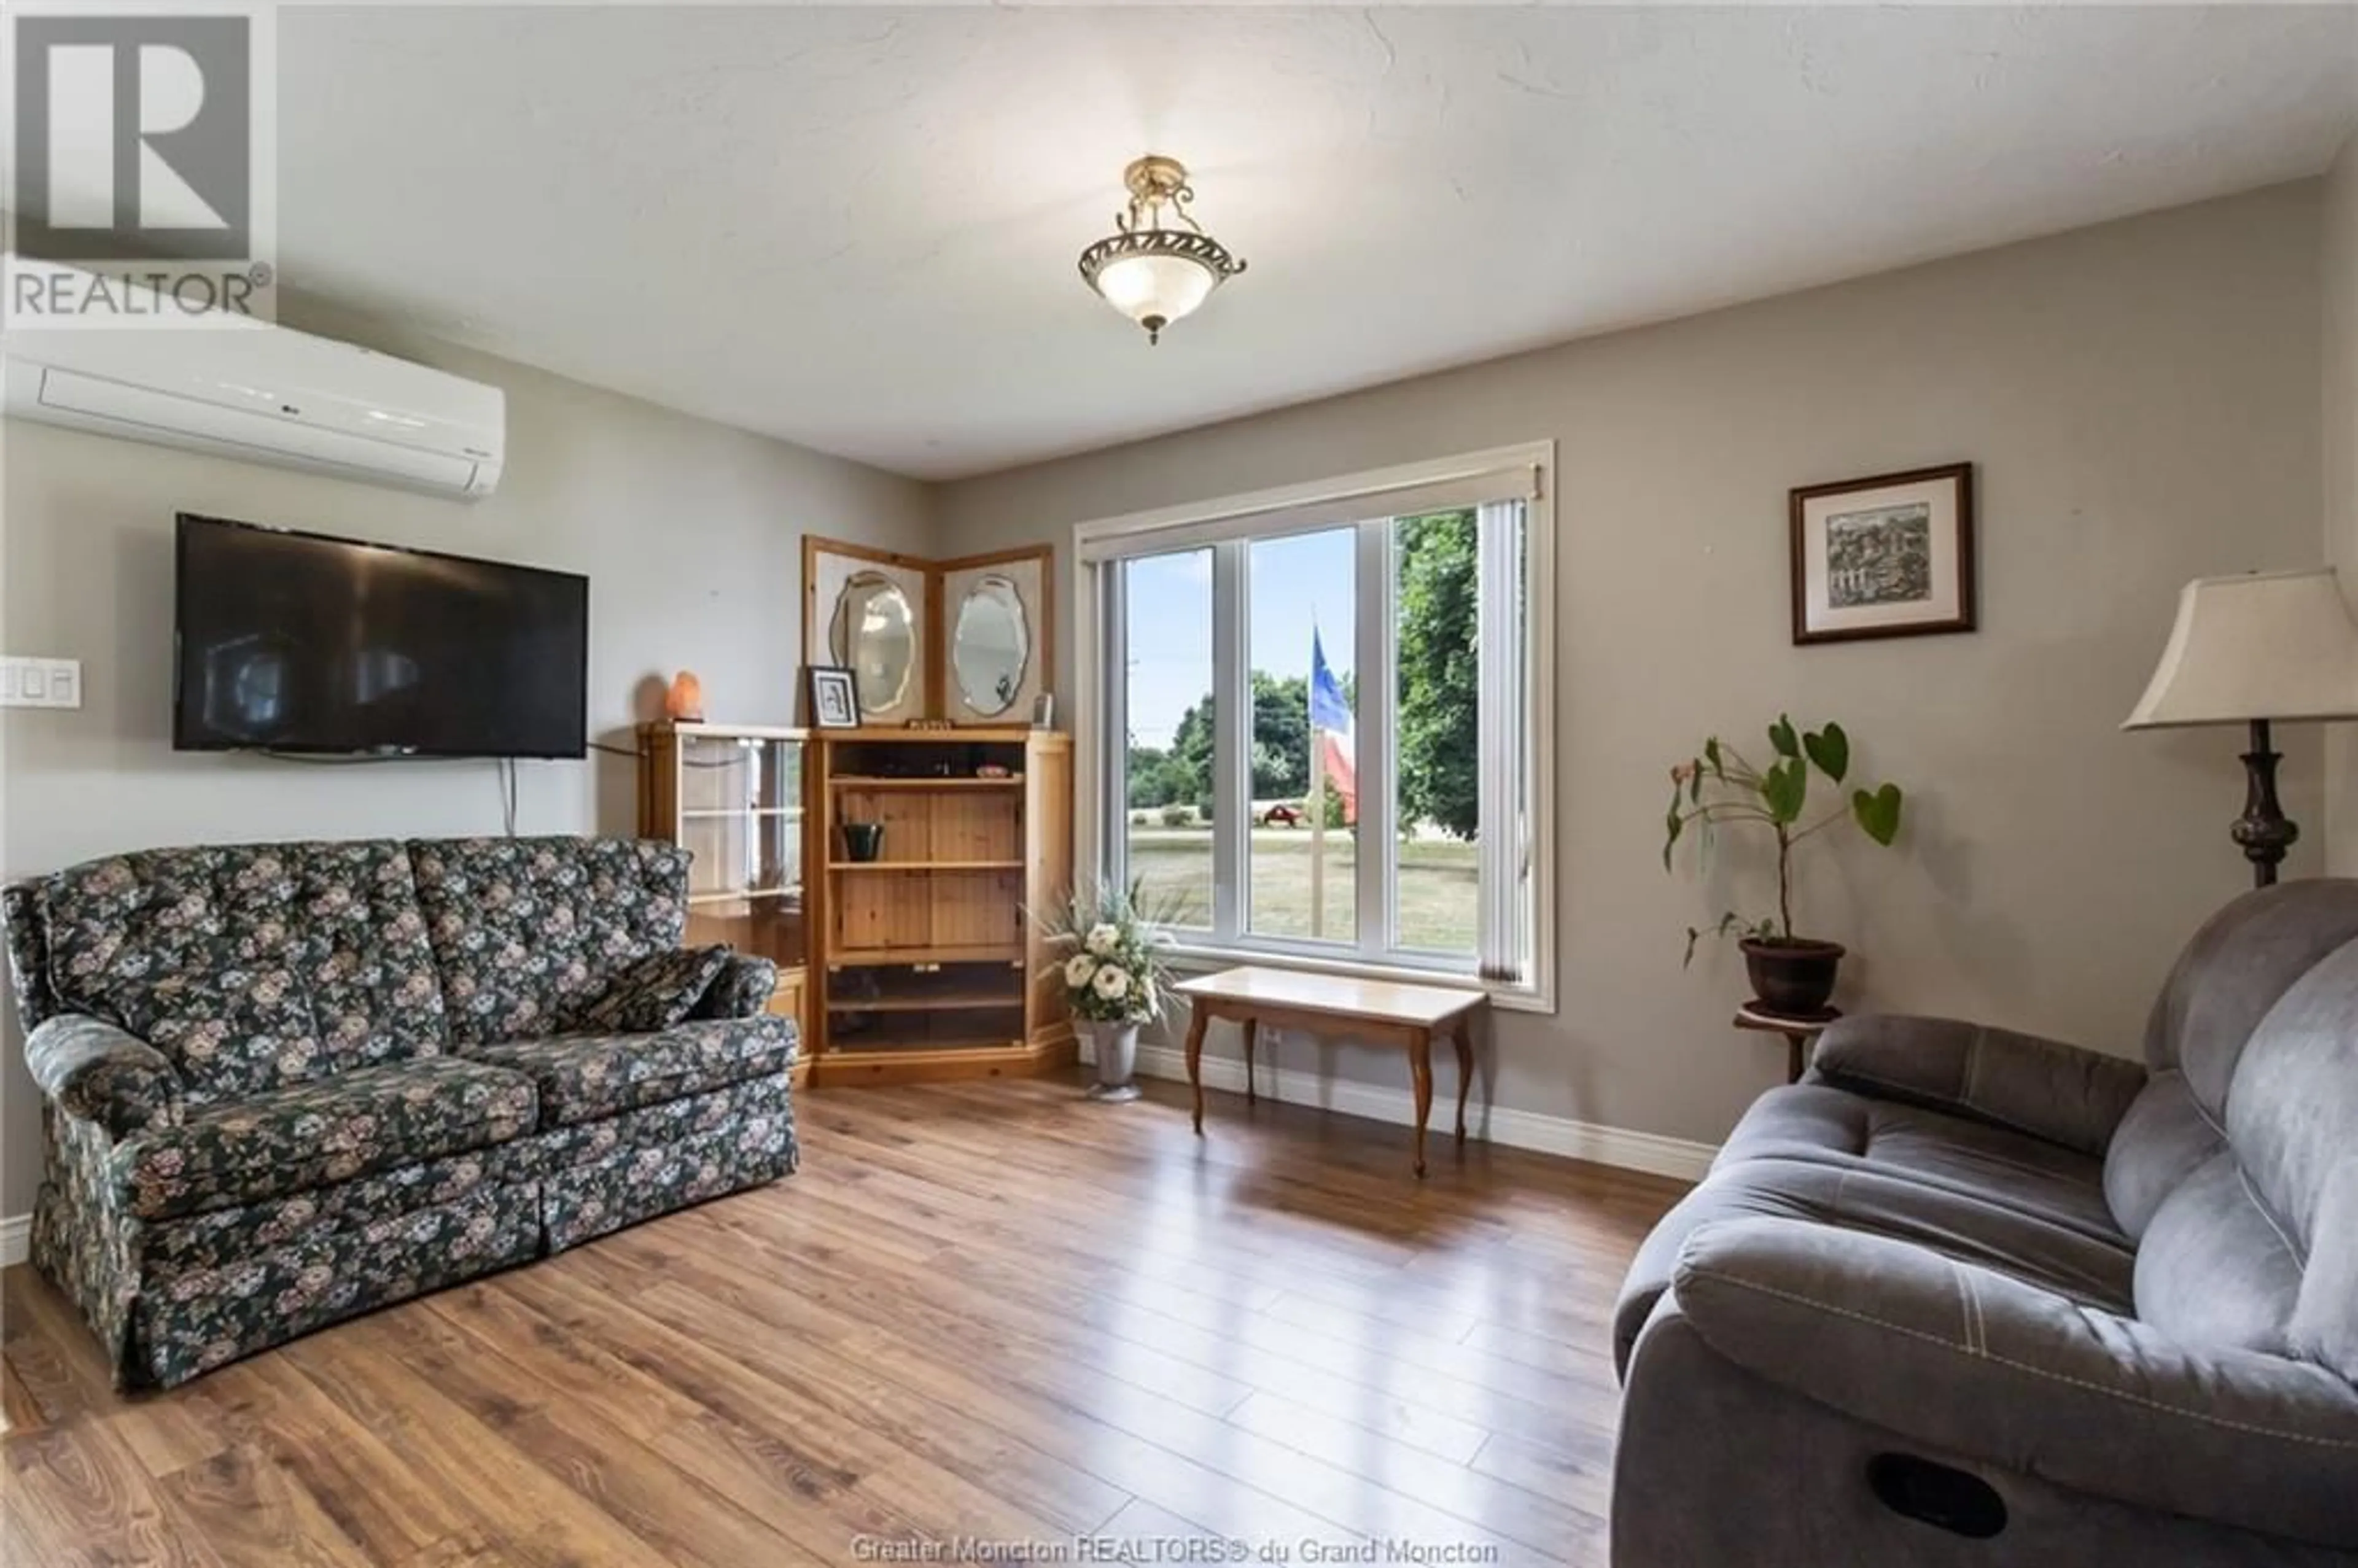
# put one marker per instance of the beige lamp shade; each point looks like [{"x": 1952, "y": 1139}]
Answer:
[{"x": 2277, "y": 645}]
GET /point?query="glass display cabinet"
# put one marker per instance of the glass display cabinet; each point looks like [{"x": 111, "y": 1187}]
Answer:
[{"x": 732, "y": 795}]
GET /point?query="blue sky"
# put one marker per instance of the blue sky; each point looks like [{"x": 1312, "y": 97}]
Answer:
[{"x": 1294, "y": 580}]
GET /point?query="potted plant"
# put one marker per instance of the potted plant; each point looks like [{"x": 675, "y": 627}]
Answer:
[
  {"x": 1114, "y": 977},
  {"x": 1790, "y": 974}
]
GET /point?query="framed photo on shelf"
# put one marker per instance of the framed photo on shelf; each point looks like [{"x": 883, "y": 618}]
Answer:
[
  {"x": 834, "y": 698},
  {"x": 1889, "y": 556}
]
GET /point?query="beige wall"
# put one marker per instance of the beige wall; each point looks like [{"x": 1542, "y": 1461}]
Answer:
[
  {"x": 2141, "y": 400},
  {"x": 2340, "y": 276},
  {"x": 690, "y": 533}
]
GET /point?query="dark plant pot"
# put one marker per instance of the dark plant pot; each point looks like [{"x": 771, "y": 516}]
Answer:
[
  {"x": 864, "y": 841},
  {"x": 1794, "y": 976}
]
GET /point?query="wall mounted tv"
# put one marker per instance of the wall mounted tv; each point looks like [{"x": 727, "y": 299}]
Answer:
[{"x": 290, "y": 642}]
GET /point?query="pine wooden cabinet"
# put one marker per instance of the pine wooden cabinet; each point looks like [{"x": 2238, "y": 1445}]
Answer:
[
  {"x": 736, "y": 796},
  {"x": 927, "y": 962}
]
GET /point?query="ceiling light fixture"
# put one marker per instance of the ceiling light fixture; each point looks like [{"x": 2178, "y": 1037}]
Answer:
[{"x": 1152, "y": 274}]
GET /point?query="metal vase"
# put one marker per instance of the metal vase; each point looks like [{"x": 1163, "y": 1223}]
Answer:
[{"x": 1115, "y": 1046}]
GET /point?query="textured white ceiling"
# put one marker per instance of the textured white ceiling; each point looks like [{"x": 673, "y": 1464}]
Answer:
[{"x": 855, "y": 227}]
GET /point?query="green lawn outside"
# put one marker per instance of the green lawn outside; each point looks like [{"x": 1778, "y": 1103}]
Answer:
[{"x": 1438, "y": 884}]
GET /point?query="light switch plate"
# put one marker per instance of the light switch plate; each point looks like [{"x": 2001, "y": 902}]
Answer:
[{"x": 39, "y": 683}]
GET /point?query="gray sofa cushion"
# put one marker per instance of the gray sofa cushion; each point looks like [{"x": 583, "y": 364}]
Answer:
[
  {"x": 1972, "y": 1362},
  {"x": 2165, "y": 1138},
  {"x": 2237, "y": 967},
  {"x": 2292, "y": 1122},
  {"x": 1824, "y": 1123},
  {"x": 2056, "y": 1092},
  {"x": 2325, "y": 1321},
  {"x": 1855, "y": 1197},
  {"x": 1718, "y": 1467},
  {"x": 2214, "y": 1268}
]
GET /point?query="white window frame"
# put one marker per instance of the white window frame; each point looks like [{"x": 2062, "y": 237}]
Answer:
[{"x": 1101, "y": 728}]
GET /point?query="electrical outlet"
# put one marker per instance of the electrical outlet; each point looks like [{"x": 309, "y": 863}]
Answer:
[{"x": 40, "y": 683}]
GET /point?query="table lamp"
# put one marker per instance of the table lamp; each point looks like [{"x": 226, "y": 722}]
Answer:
[{"x": 2251, "y": 650}]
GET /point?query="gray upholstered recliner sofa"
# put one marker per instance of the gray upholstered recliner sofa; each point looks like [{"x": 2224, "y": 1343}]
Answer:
[
  {"x": 1968, "y": 1297},
  {"x": 286, "y": 1083}
]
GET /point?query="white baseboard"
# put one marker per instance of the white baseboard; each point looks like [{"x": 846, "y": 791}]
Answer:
[
  {"x": 15, "y": 1239},
  {"x": 1647, "y": 1152}
]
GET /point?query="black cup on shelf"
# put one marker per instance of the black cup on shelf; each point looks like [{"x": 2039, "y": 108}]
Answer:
[{"x": 864, "y": 841}]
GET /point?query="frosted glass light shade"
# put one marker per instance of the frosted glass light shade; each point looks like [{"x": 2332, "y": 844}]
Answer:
[
  {"x": 2266, "y": 645},
  {"x": 1159, "y": 288},
  {"x": 1153, "y": 272}
]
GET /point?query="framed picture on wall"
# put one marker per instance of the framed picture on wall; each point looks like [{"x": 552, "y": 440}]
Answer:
[{"x": 1890, "y": 556}]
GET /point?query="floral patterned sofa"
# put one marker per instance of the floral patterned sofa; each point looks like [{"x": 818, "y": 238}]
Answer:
[{"x": 286, "y": 1083}]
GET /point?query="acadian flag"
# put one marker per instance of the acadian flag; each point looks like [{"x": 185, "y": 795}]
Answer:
[{"x": 1330, "y": 730}]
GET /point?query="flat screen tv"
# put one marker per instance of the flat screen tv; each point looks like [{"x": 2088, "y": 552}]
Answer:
[{"x": 291, "y": 642}]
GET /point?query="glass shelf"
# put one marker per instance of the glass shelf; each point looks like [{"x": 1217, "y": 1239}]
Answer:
[{"x": 733, "y": 798}]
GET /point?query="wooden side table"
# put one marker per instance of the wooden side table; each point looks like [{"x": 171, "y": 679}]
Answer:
[
  {"x": 1801, "y": 1032},
  {"x": 1375, "y": 1010}
]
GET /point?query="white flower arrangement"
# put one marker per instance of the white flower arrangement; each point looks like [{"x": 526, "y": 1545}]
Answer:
[{"x": 1115, "y": 973}]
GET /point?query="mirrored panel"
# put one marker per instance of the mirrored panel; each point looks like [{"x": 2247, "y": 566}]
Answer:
[
  {"x": 991, "y": 646},
  {"x": 874, "y": 632}
]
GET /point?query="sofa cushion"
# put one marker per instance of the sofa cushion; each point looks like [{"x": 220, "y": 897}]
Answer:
[
  {"x": 2166, "y": 1136},
  {"x": 2055, "y": 1092},
  {"x": 250, "y": 967},
  {"x": 2324, "y": 1327},
  {"x": 1991, "y": 1164},
  {"x": 315, "y": 1134},
  {"x": 653, "y": 993},
  {"x": 679, "y": 1152},
  {"x": 553, "y": 1150},
  {"x": 206, "y": 1317},
  {"x": 527, "y": 931},
  {"x": 1974, "y": 1369},
  {"x": 581, "y": 1078},
  {"x": 27, "y": 924},
  {"x": 2237, "y": 967},
  {"x": 219, "y": 1237},
  {"x": 2214, "y": 1268},
  {"x": 89, "y": 1069},
  {"x": 744, "y": 986},
  {"x": 1856, "y": 1197},
  {"x": 2292, "y": 1124}
]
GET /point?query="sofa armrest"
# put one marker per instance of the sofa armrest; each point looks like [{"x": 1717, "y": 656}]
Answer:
[
  {"x": 1978, "y": 1364},
  {"x": 93, "y": 1070},
  {"x": 742, "y": 989},
  {"x": 2064, "y": 1093}
]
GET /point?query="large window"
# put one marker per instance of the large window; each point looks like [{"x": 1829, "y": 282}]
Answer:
[{"x": 1312, "y": 720}]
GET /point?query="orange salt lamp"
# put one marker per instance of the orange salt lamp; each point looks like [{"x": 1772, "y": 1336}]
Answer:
[{"x": 683, "y": 703}]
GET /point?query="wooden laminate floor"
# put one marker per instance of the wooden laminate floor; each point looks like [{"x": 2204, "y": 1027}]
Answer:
[{"x": 987, "y": 1314}]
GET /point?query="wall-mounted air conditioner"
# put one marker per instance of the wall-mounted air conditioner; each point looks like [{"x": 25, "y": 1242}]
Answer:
[{"x": 267, "y": 394}]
